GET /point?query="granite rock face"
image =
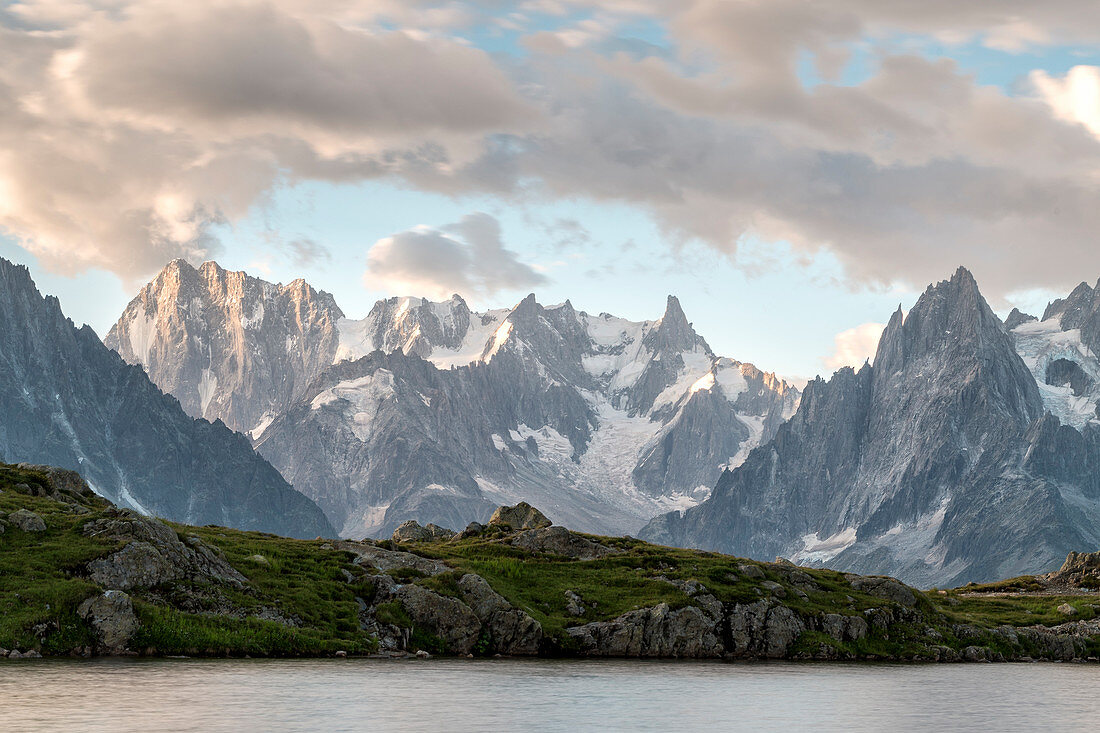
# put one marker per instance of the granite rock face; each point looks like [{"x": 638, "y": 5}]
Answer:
[
  {"x": 479, "y": 614},
  {"x": 111, "y": 615},
  {"x": 520, "y": 516},
  {"x": 154, "y": 555},
  {"x": 939, "y": 464},
  {"x": 27, "y": 521},
  {"x": 228, "y": 346},
  {"x": 436, "y": 413},
  {"x": 651, "y": 632},
  {"x": 68, "y": 401}
]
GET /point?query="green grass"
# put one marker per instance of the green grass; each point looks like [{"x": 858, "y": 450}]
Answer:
[
  {"x": 1016, "y": 610},
  {"x": 42, "y": 584},
  {"x": 166, "y": 631},
  {"x": 307, "y": 582},
  {"x": 609, "y": 586},
  {"x": 39, "y": 585}
]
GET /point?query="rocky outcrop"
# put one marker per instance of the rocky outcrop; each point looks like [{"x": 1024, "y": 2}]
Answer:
[
  {"x": 68, "y": 401},
  {"x": 27, "y": 521},
  {"x": 448, "y": 619},
  {"x": 411, "y": 531},
  {"x": 478, "y": 613},
  {"x": 153, "y": 555},
  {"x": 1080, "y": 570},
  {"x": 368, "y": 555},
  {"x": 560, "y": 541},
  {"x": 510, "y": 630},
  {"x": 886, "y": 588},
  {"x": 112, "y": 618},
  {"x": 520, "y": 516},
  {"x": 651, "y": 632}
]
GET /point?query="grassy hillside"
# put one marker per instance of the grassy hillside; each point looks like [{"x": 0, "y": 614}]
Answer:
[{"x": 307, "y": 597}]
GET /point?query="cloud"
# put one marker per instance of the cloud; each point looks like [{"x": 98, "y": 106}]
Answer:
[
  {"x": 306, "y": 251},
  {"x": 1074, "y": 97},
  {"x": 467, "y": 257},
  {"x": 854, "y": 346},
  {"x": 901, "y": 174},
  {"x": 107, "y": 162}
]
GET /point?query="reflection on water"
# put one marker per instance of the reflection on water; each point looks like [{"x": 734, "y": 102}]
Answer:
[{"x": 458, "y": 695}]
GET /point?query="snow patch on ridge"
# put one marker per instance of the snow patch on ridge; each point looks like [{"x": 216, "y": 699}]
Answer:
[
  {"x": 207, "y": 388},
  {"x": 364, "y": 396},
  {"x": 500, "y": 337},
  {"x": 1039, "y": 343},
  {"x": 617, "y": 344},
  {"x": 482, "y": 328},
  {"x": 262, "y": 425},
  {"x": 815, "y": 549},
  {"x": 696, "y": 368},
  {"x": 755, "y": 424},
  {"x": 142, "y": 332}
]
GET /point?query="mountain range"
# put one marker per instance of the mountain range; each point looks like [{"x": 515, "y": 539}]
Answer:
[
  {"x": 434, "y": 412},
  {"x": 67, "y": 400},
  {"x": 968, "y": 450}
]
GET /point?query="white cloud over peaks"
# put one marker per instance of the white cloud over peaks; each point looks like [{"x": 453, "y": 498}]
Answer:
[
  {"x": 467, "y": 257},
  {"x": 130, "y": 128},
  {"x": 1074, "y": 97},
  {"x": 854, "y": 346}
]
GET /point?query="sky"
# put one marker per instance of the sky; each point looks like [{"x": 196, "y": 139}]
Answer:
[{"x": 793, "y": 171}]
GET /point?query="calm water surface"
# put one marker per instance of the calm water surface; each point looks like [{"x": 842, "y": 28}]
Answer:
[{"x": 503, "y": 695}]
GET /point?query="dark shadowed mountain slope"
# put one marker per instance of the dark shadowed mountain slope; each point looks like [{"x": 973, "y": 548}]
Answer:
[
  {"x": 67, "y": 400},
  {"x": 937, "y": 464}
]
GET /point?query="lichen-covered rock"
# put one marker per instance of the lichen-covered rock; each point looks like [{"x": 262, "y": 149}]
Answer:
[
  {"x": 137, "y": 565},
  {"x": 154, "y": 554},
  {"x": 763, "y": 629},
  {"x": 27, "y": 521},
  {"x": 750, "y": 571},
  {"x": 381, "y": 559},
  {"x": 446, "y": 618},
  {"x": 652, "y": 632},
  {"x": 111, "y": 615},
  {"x": 844, "y": 628},
  {"x": 510, "y": 630},
  {"x": 774, "y": 588},
  {"x": 63, "y": 485},
  {"x": 480, "y": 596},
  {"x": 885, "y": 588},
  {"x": 513, "y": 632},
  {"x": 437, "y": 533},
  {"x": 473, "y": 529},
  {"x": 574, "y": 604},
  {"x": 699, "y": 594},
  {"x": 520, "y": 516},
  {"x": 560, "y": 541},
  {"x": 411, "y": 531}
]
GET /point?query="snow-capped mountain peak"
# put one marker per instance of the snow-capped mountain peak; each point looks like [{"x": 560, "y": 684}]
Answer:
[{"x": 432, "y": 411}]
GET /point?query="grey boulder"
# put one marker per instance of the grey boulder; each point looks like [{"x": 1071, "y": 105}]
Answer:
[{"x": 111, "y": 615}]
